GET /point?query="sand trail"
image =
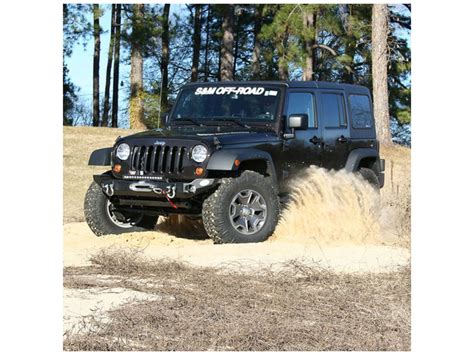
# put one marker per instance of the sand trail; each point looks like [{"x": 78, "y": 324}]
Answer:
[{"x": 333, "y": 220}]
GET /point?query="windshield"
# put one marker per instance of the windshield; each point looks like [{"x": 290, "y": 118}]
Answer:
[{"x": 251, "y": 103}]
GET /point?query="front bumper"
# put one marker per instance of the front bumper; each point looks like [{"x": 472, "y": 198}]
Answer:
[{"x": 153, "y": 189}]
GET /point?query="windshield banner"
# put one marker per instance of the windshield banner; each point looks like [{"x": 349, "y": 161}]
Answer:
[{"x": 242, "y": 90}]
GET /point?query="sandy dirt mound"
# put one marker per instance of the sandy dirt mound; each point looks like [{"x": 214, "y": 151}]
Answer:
[{"x": 80, "y": 243}]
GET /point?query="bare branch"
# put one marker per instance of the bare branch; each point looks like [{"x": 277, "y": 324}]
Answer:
[{"x": 329, "y": 49}]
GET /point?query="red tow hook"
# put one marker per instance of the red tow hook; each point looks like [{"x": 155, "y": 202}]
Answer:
[{"x": 171, "y": 202}]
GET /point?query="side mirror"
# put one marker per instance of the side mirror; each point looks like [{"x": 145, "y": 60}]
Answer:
[{"x": 296, "y": 121}]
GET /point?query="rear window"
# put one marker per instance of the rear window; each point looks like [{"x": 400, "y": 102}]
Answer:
[
  {"x": 361, "y": 111},
  {"x": 332, "y": 110}
]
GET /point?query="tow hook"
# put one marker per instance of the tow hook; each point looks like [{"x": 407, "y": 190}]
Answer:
[
  {"x": 108, "y": 189},
  {"x": 169, "y": 192}
]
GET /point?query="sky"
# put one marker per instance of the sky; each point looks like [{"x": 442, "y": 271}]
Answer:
[{"x": 80, "y": 62}]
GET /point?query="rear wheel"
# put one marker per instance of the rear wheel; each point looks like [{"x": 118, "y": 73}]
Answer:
[
  {"x": 371, "y": 177},
  {"x": 242, "y": 210},
  {"x": 103, "y": 217}
]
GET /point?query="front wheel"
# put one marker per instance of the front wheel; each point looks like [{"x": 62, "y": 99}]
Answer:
[
  {"x": 104, "y": 218},
  {"x": 242, "y": 210}
]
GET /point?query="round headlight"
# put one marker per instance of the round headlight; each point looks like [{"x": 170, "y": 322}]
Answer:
[
  {"x": 123, "y": 151},
  {"x": 199, "y": 153}
]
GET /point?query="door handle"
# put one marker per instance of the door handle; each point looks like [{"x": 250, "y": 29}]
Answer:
[
  {"x": 342, "y": 139},
  {"x": 315, "y": 140}
]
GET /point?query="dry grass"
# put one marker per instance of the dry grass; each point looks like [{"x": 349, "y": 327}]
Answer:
[
  {"x": 396, "y": 194},
  {"x": 297, "y": 308},
  {"x": 78, "y": 144}
]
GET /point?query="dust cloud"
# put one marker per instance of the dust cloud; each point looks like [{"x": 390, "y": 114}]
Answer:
[{"x": 330, "y": 208}]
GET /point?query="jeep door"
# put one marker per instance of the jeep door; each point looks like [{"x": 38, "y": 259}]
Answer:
[
  {"x": 332, "y": 113},
  {"x": 305, "y": 149}
]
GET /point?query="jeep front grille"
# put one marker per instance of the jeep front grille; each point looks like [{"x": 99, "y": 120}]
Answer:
[{"x": 158, "y": 159}]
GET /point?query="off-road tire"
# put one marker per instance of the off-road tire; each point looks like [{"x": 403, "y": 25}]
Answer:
[
  {"x": 95, "y": 204},
  {"x": 215, "y": 215},
  {"x": 371, "y": 177}
]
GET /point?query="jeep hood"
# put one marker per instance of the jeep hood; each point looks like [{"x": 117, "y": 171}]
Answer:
[{"x": 225, "y": 135}]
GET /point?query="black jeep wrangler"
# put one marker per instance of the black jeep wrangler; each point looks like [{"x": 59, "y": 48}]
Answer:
[{"x": 227, "y": 153}]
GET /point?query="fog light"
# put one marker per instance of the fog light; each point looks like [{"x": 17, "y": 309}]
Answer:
[
  {"x": 204, "y": 182},
  {"x": 237, "y": 162},
  {"x": 199, "y": 171},
  {"x": 117, "y": 168}
]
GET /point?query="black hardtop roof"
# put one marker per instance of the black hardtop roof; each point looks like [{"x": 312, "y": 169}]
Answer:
[{"x": 290, "y": 84}]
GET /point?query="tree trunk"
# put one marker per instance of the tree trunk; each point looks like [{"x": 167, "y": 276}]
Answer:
[
  {"x": 282, "y": 63},
  {"x": 105, "y": 113},
  {"x": 95, "y": 89},
  {"x": 309, "y": 42},
  {"x": 236, "y": 46},
  {"x": 137, "y": 114},
  {"x": 227, "y": 57},
  {"x": 206, "y": 50},
  {"x": 165, "y": 58},
  {"x": 115, "y": 89},
  {"x": 256, "y": 42},
  {"x": 196, "y": 42},
  {"x": 282, "y": 71},
  {"x": 379, "y": 72}
]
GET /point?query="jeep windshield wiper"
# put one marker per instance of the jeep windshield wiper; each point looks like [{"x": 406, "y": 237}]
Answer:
[
  {"x": 189, "y": 119},
  {"x": 233, "y": 120}
]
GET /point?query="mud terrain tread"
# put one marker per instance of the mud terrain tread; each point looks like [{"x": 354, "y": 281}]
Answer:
[
  {"x": 214, "y": 214},
  {"x": 98, "y": 221}
]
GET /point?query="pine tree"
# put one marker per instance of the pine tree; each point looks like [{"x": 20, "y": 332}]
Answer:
[
  {"x": 196, "y": 42},
  {"x": 105, "y": 113},
  {"x": 96, "y": 64},
  {"x": 227, "y": 56},
  {"x": 242, "y": 42},
  {"x": 379, "y": 72},
  {"x": 309, "y": 35},
  {"x": 165, "y": 55},
  {"x": 256, "y": 52},
  {"x": 137, "y": 116},
  {"x": 115, "y": 88},
  {"x": 399, "y": 66},
  {"x": 207, "y": 44}
]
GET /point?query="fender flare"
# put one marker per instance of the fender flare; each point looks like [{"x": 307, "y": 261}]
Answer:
[
  {"x": 101, "y": 157},
  {"x": 223, "y": 160},
  {"x": 355, "y": 156}
]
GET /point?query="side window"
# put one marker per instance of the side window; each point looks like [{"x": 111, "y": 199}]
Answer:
[
  {"x": 301, "y": 102},
  {"x": 333, "y": 113},
  {"x": 360, "y": 110}
]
